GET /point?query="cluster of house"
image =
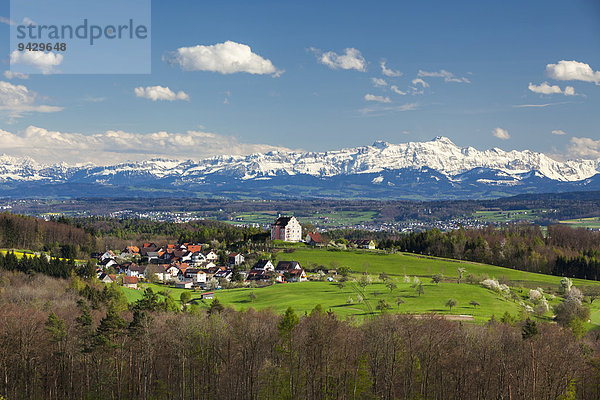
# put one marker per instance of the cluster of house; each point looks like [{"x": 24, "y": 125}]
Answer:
[
  {"x": 188, "y": 267},
  {"x": 193, "y": 265}
]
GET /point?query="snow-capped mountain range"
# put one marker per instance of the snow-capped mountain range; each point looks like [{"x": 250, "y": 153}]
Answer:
[{"x": 448, "y": 170}]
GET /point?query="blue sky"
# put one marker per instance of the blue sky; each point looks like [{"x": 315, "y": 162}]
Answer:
[{"x": 473, "y": 71}]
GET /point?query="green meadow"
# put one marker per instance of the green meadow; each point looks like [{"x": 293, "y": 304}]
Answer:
[
  {"x": 400, "y": 264},
  {"x": 351, "y": 300}
]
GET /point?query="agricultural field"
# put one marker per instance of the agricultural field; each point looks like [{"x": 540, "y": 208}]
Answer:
[
  {"x": 19, "y": 253},
  {"x": 589, "y": 223},
  {"x": 506, "y": 216},
  {"x": 350, "y": 300}
]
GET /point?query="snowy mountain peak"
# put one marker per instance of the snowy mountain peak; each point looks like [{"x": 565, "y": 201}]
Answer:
[
  {"x": 443, "y": 139},
  {"x": 380, "y": 144},
  {"x": 440, "y": 155}
]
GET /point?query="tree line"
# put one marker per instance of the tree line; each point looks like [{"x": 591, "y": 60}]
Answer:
[
  {"x": 561, "y": 250},
  {"x": 51, "y": 266}
]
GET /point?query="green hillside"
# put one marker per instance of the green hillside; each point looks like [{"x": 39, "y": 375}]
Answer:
[{"x": 353, "y": 301}]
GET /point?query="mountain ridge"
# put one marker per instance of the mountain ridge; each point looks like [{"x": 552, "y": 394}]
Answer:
[{"x": 438, "y": 162}]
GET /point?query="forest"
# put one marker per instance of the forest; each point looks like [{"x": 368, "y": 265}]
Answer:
[
  {"x": 79, "y": 237},
  {"x": 561, "y": 251},
  {"x": 72, "y": 339}
]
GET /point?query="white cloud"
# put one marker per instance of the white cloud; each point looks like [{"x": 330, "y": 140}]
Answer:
[
  {"x": 389, "y": 72},
  {"x": 118, "y": 146},
  {"x": 569, "y": 91},
  {"x": 573, "y": 71},
  {"x": 419, "y": 81},
  {"x": 584, "y": 148},
  {"x": 501, "y": 133},
  {"x": 379, "y": 99},
  {"x": 383, "y": 110},
  {"x": 226, "y": 58},
  {"x": 350, "y": 59},
  {"x": 395, "y": 89},
  {"x": 155, "y": 93},
  {"x": 15, "y": 75},
  {"x": 558, "y": 132},
  {"x": 7, "y": 21},
  {"x": 448, "y": 76},
  {"x": 539, "y": 105},
  {"x": 17, "y": 99},
  {"x": 45, "y": 62},
  {"x": 28, "y": 21},
  {"x": 546, "y": 88},
  {"x": 379, "y": 82}
]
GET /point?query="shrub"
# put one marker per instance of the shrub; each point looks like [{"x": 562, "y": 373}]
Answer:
[
  {"x": 565, "y": 285},
  {"x": 535, "y": 296},
  {"x": 543, "y": 307},
  {"x": 494, "y": 285}
]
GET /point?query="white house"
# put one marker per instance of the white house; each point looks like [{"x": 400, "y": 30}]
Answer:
[
  {"x": 287, "y": 229},
  {"x": 212, "y": 256},
  {"x": 196, "y": 275},
  {"x": 235, "y": 259},
  {"x": 264, "y": 265},
  {"x": 139, "y": 271},
  {"x": 107, "y": 255}
]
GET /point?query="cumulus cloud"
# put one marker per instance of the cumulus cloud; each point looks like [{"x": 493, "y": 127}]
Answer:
[
  {"x": 569, "y": 91},
  {"x": 546, "y": 88},
  {"x": 395, "y": 89},
  {"x": 155, "y": 93},
  {"x": 584, "y": 148},
  {"x": 501, "y": 133},
  {"x": 350, "y": 59},
  {"x": 45, "y": 62},
  {"x": 119, "y": 146},
  {"x": 389, "y": 72},
  {"x": 573, "y": 71},
  {"x": 17, "y": 99},
  {"x": 379, "y": 82},
  {"x": 558, "y": 132},
  {"x": 448, "y": 76},
  {"x": 419, "y": 81},
  {"x": 379, "y": 99},
  {"x": 15, "y": 75},
  {"x": 226, "y": 58}
]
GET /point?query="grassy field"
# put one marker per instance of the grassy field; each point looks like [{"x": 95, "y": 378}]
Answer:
[
  {"x": 345, "y": 302},
  {"x": 352, "y": 301},
  {"x": 374, "y": 262}
]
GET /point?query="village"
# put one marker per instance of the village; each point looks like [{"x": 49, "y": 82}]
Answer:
[{"x": 196, "y": 266}]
